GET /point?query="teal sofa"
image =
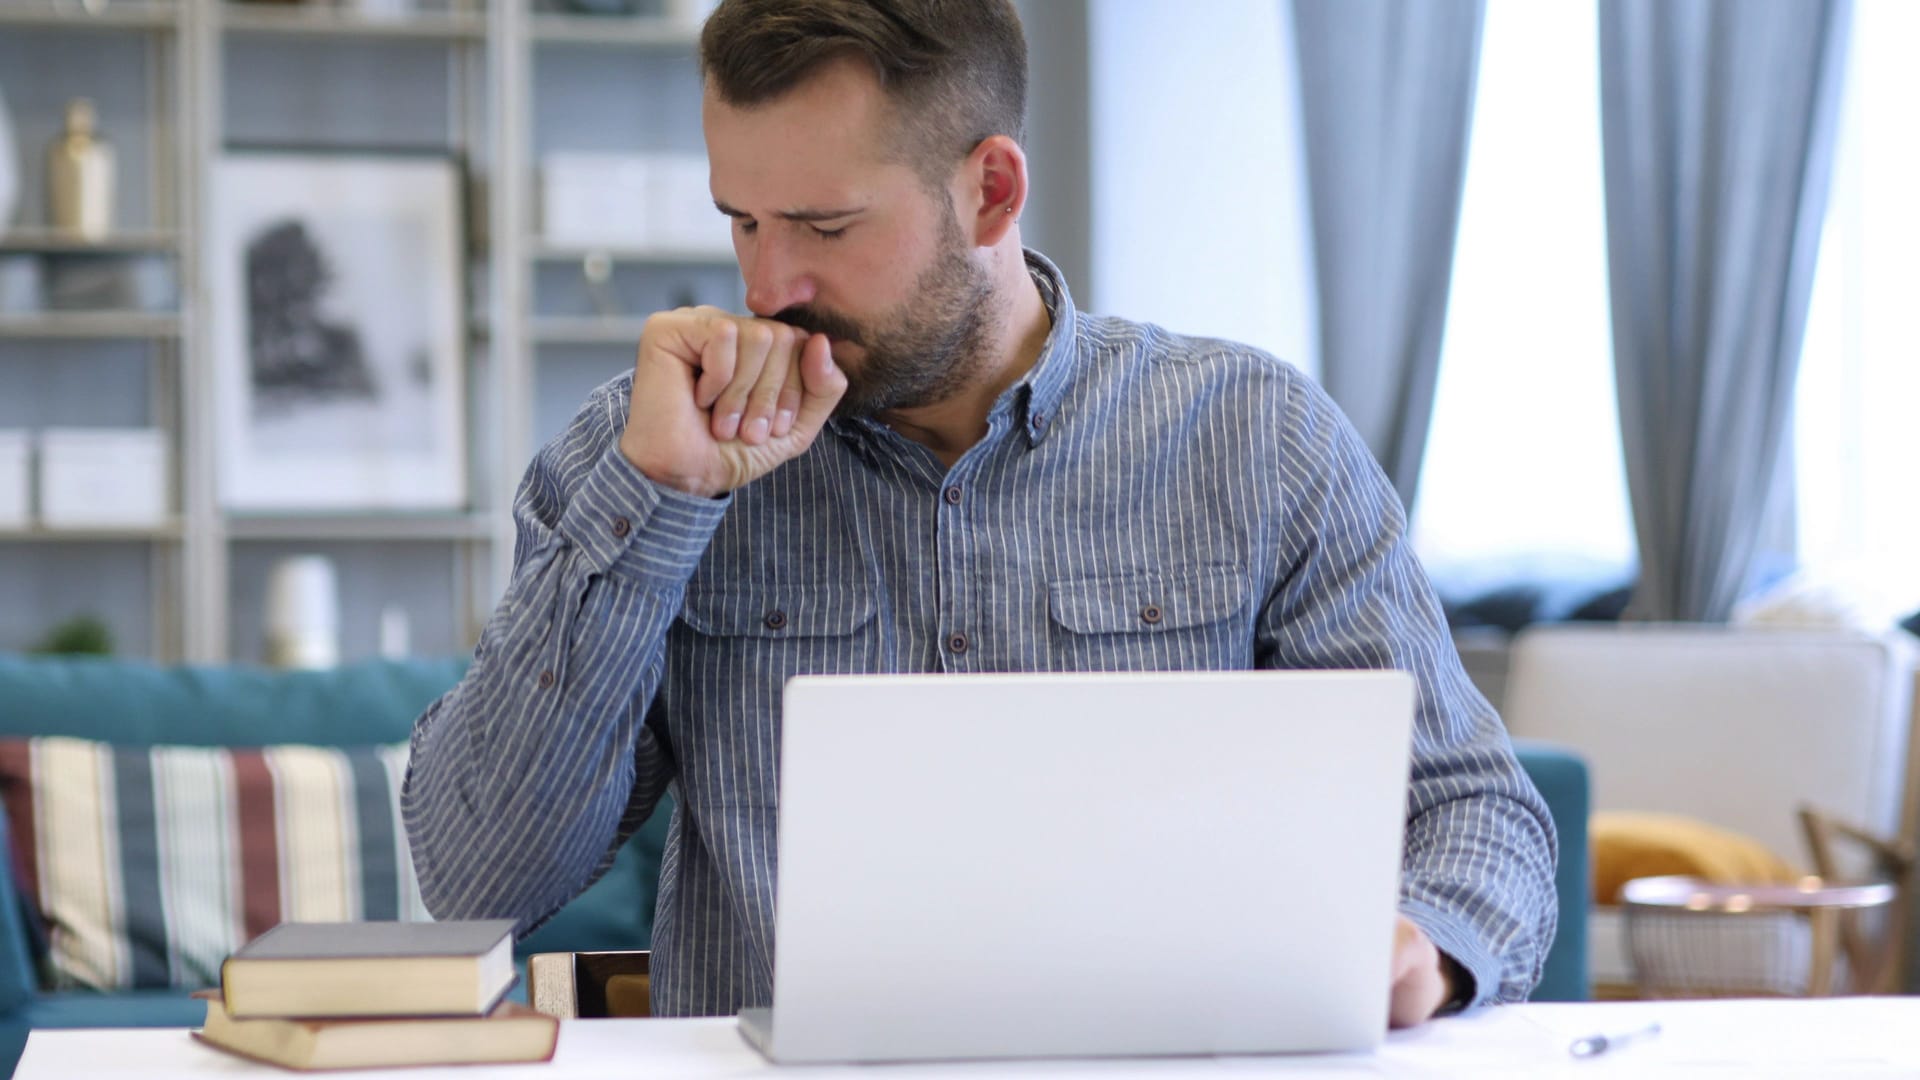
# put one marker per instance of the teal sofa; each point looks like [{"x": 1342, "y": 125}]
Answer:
[
  {"x": 138, "y": 704},
  {"x": 143, "y": 705}
]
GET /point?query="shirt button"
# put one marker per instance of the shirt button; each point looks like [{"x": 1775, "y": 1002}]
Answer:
[
  {"x": 957, "y": 643},
  {"x": 1150, "y": 615},
  {"x": 776, "y": 619},
  {"x": 546, "y": 680},
  {"x": 952, "y": 495},
  {"x": 621, "y": 526},
  {"x": 1039, "y": 422}
]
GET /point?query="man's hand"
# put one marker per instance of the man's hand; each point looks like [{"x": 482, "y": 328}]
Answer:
[
  {"x": 1421, "y": 981},
  {"x": 721, "y": 399}
]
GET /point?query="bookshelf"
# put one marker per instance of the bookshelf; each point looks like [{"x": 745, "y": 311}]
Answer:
[{"x": 496, "y": 87}]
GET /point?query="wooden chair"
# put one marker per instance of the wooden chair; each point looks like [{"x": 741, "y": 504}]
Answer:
[
  {"x": 1875, "y": 957},
  {"x": 591, "y": 985}
]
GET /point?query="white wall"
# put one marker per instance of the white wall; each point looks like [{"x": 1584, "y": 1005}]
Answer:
[
  {"x": 1056, "y": 220},
  {"x": 1198, "y": 218}
]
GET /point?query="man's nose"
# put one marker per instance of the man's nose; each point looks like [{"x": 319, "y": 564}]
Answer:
[{"x": 775, "y": 278}]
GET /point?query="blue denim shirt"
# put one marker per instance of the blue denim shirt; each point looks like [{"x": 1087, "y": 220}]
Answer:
[{"x": 646, "y": 635}]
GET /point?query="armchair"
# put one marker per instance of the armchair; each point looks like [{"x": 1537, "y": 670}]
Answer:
[{"x": 1739, "y": 728}]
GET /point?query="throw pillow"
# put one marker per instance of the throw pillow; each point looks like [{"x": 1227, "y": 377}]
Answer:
[
  {"x": 1635, "y": 845},
  {"x": 148, "y": 865}
]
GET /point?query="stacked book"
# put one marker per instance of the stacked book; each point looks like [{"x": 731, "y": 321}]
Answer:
[{"x": 376, "y": 994}]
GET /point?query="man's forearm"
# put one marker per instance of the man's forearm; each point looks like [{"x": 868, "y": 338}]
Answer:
[
  {"x": 521, "y": 775},
  {"x": 1484, "y": 893}
]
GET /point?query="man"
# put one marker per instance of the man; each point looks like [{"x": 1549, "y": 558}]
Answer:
[{"x": 916, "y": 455}]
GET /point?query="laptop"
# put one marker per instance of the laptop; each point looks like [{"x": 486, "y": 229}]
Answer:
[{"x": 1086, "y": 865}]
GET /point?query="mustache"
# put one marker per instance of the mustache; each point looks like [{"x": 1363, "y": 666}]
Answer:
[{"x": 816, "y": 321}]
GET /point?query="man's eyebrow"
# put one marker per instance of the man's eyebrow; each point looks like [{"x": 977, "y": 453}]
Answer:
[{"x": 792, "y": 215}]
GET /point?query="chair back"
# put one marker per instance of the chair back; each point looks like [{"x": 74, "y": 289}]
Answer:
[{"x": 1736, "y": 727}]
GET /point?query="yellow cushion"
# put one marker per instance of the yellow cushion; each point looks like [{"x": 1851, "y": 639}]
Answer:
[{"x": 1633, "y": 845}]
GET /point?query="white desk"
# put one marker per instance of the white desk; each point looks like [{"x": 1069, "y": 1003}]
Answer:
[{"x": 1856, "y": 1037}]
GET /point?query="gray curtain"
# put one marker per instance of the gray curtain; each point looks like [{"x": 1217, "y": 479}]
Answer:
[
  {"x": 1718, "y": 119},
  {"x": 1386, "y": 100}
]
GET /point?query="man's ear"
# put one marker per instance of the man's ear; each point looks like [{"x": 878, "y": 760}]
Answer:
[{"x": 994, "y": 182}]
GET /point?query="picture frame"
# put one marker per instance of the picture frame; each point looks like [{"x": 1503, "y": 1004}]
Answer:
[{"x": 338, "y": 330}]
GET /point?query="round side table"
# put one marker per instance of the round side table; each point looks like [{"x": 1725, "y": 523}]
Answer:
[{"x": 1672, "y": 900}]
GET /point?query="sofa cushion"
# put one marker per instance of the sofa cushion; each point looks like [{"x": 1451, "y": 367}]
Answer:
[
  {"x": 149, "y": 865},
  {"x": 139, "y": 704},
  {"x": 131, "y": 1008}
]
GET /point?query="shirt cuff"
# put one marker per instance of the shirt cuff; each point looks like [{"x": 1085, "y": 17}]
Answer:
[
  {"x": 626, "y": 524},
  {"x": 1482, "y": 969}
]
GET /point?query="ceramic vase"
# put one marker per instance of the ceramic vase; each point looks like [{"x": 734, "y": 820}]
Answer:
[
  {"x": 80, "y": 176},
  {"x": 303, "y": 613}
]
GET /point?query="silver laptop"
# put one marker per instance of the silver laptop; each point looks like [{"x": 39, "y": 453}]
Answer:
[{"x": 999, "y": 866}]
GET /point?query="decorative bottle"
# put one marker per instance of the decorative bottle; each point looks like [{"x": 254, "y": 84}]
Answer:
[{"x": 80, "y": 176}]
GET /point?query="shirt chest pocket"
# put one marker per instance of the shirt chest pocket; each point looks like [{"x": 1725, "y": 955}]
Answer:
[
  {"x": 729, "y": 659},
  {"x": 799, "y": 629},
  {"x": 1169, "y": 619}
]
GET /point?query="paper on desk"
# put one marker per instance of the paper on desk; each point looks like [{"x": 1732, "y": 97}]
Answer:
[
  {"x": 1747, "y": 1039},
  {"x": 1830, "y": 1037}
]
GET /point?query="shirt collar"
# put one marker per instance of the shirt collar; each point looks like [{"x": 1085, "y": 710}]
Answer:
[
  {"x": 1040, "y": 391},
  {"x": 1035, "y": 399}
]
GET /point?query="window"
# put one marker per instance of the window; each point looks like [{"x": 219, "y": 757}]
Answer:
[
  {"x": 1523, "y": 475},
  {"x": 1856, "y": 435}
]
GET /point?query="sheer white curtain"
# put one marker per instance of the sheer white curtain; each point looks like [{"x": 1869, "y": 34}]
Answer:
[
  {"x": 1857, "y": 407},
  {"x": 1523, "y": 474}
]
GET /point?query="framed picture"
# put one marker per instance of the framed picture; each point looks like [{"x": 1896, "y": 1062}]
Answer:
[{"x": 337, "y": 330}]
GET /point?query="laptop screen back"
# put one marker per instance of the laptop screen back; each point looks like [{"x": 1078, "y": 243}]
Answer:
[{"x": 1115, "y": 864}]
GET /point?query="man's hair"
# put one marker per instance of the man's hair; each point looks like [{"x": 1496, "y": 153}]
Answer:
[{"x": 954, "y": 71}]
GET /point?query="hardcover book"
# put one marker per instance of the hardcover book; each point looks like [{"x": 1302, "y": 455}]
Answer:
[
  {"x": 318, "y": 970},
  {"x": 510, "y": 1033}
]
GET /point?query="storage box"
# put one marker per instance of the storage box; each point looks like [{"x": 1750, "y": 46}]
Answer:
[
  {"x": 16, "y": 479},
  {"x": 103, "y": 477},
  {"x": 680, "y": 211},
  {"x": 595, "y": 198}
]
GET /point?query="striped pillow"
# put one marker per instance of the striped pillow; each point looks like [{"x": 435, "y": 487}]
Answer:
[{"x": 148, "y": 865}]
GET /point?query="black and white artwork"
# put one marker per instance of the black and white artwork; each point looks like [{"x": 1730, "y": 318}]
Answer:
[{"x": 336, "y": 309}]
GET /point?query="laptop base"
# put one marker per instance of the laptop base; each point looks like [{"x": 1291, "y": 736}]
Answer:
[{"x": 756, "y": 1026}]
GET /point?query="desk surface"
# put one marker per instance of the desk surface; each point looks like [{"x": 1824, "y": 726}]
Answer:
[{"x": 1852, "y": 1037}]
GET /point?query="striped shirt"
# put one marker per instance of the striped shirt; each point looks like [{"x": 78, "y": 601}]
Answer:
[{"x": 646, "y": 635}]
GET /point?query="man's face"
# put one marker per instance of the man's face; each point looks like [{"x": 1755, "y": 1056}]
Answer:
[{"x": 833, "y": 238}]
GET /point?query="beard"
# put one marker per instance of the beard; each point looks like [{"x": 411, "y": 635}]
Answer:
[{"x": 923, "y": 352}]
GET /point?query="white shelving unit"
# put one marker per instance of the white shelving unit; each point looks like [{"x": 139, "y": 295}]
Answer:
[
  {"x": 154, "y": 35},
  {"x": 74, "y": 15},
  {"x": 171, "y": 530},
  {"x": 91, "y": 326},
  {"x": 203, "y": 567},
  {"x": 545, "y": 251}
]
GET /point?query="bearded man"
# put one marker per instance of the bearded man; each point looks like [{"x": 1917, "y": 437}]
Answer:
[{"x": 916, "y": 455}]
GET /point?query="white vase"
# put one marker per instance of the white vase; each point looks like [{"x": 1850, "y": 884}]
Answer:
[
  {"x": 80, "y": 176},
  {"x": 303, "y": 613},
  {"x": 9, "y": 169}
]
